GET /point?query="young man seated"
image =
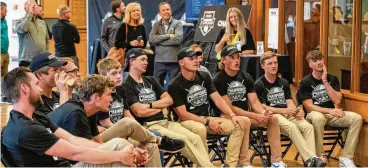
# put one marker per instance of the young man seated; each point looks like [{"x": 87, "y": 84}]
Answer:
[
  {"x": 32, "y": 140},
  {"x": 48, "y": 71},
  {"x": 275, "y": 95},
  {"x": 237, "y": 88},
  {"x": 78, "y": 116},
  {"x": 146, "y": 99},
  {"x": 191, "y": 91},
  {"x": 321, "y": 96},
  {"x": 74, "y": 76},
  {"x": 119, "y": 109}
]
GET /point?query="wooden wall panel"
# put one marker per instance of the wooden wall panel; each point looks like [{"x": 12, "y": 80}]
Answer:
[
  {"x": 356, "y": 46},
  {"x": 79, "y": 13},
  {"x": 266, "y": 14},
  {"x": 82, "y": 52},
  {"x": 281, "y": 33},
  {"x": 299, "y": 41},
  {"x": 323, "y": 41},
  {"x": 49, "y": 7}
]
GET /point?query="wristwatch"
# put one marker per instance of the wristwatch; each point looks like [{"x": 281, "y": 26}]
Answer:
[{"x": 207, "y": 122}]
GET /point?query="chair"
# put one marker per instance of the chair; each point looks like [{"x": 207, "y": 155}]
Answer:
[
  {"x": 218, "y": 144},
  {"x": 177, "y": 157},
  {"x": 334, "y": 134},
  {"x": 6, "y": 159}
]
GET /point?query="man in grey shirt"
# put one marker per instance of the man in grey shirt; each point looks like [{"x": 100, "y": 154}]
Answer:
[
  {"x": 32, "y": 33},
  {"x": 111, "y": 24},
  {"x": 166, "y": 36}
]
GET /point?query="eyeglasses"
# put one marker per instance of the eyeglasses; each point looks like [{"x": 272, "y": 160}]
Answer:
[{"x": 74, "y": 71}]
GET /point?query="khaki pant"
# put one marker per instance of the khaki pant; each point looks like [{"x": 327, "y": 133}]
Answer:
[
  {"x": 351, "y": 120},
  {"x": 238, "y": 144},
  {"x": 4, "y": 64},
  {"x": 116, "y": 144},
  {"x": 301, "y": 132},
  {"x": 273, "y": 134},
  {"x": 194, "y": 149},
  {"x": 138, "y": 136}
]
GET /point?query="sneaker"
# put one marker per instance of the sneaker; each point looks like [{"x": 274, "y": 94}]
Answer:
[
  {"x": 279, "y": 164},
  {"x": 225, "y": 165},
  {"x": 170, "y": 145},
  {"x": 345, "y": 162},
  {"x": 316, "y": 162}
]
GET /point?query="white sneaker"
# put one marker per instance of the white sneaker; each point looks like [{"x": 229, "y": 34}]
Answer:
[
  {"x": 279, "y": 164},
  {"x": 345, "y": 162}
]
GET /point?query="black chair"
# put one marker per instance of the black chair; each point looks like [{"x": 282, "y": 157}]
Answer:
[
  {"x": 6, "y": 159},
  {"x": 333, "y": 133},
  {"x": 178, "y": 160},
  {"x": 218, "y": 144}
]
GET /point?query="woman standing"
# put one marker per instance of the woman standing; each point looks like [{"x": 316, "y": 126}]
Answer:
[{"x": 235, "y": 33}]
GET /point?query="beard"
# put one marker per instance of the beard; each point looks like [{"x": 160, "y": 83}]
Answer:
[{"x": 35, "y": 100}]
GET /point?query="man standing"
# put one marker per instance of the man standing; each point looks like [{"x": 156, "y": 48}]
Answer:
[
  {"x": 237, "y": 88},
  {"x": 147, "y": 99},
  {"x": 111, "y": 24},
  {"x": 321, "y": 96},
  {"x": 32, "y": 34},
  {"x": 275, "y": 95},
  {"x": 65, "y": 35},
  {"x": 166, "y": 36},
  {"x": 4, "y": 42},
  {"x": 192, "y": 91}
]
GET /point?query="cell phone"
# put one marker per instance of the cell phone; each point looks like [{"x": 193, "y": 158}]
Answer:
[{"x": 139, "y": 38}]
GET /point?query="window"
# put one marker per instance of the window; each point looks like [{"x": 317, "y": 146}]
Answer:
[{"x": 364, "y": 54}]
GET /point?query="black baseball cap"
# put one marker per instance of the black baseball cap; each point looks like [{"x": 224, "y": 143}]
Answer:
[
  {"x": 45, "y": 59},
  {"x": 188, "y": 52},
  {"x": 133, "y": 53},
  {"x": 229, "y": 50}
]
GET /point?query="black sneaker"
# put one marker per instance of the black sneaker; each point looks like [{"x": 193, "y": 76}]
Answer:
[
  {"x": 170, "y": 145},
  {"x": 316, "y": 162}
]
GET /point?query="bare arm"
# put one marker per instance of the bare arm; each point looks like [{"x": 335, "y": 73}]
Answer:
[
  {"x": 77, "y": 141},
  {"x": 334, "y": 95},
  {"x": 185, "y": 115},
  {"x": 128, "y": 114},
  {"x": 106, "y": 122},
  {"x": 164, "y": 102},
  {"x": 254, "y": 102},
  {"x": 221, "y": 104},
  {"x": 309, "y": 106},
  {"x": 238, "y": 111},
  {"x": 290, "y": 110},
  {"x": 247, "y": 52}
]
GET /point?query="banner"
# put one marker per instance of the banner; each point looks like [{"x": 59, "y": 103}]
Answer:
[{"x": 213, "y": 19}]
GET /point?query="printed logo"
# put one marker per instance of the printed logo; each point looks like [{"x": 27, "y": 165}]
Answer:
[
  {"x": 146, "y": 95},
  {"x": 197, "y": 96},
  {"x": 116, "y": 111},
  {"x": 319, "y": 94},
  {"x": 207, "y": 22},
  {"x": 276, "y": 96},
  {"x": 236, "y": 91}
]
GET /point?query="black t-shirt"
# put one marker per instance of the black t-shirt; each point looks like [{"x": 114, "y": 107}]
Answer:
[
  {"x": 72, "y": 117},
  {"x": 193, "y": 94},
  {"x": 273, "y": 94},
  {"x": 147, "y": 92},
  {"x": 236, "y": 87},
  {"x": 27, "y": 141},
  {"x": 49, "y": 104},
  {"x": 312, "y": 88},
  {"x": 249, "y": 44},
  {"x": 117, "y": 106}
]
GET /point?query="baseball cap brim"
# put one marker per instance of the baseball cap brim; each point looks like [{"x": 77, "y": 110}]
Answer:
[
  {"x": 232, "y": 52},
  {"x": 58, "y": 64}
]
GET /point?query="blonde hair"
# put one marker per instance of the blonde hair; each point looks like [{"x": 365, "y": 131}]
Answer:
[
  {"x": 129, "y": 9},
  {"x": 241, "y": 25},
  {"x": 196, "y": 47},
  {"x": 65, "y": 59},
  {"x": 267, "y": 55},
  {"x": 107, "y": 64},
  {"x": 60, "y": 10}
]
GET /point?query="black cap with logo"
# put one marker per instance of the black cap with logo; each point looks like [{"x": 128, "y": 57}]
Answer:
[
  {"x": 229, "y": 50},
  {"x": 45, "y": 59},
  {"x": 133, "y": 53},
  {"x": 187, "y": 52}
]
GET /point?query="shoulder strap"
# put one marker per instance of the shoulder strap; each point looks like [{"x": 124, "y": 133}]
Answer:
[
  {"x": 235, "y": 38},
  {"x": 126, "y": 32}
]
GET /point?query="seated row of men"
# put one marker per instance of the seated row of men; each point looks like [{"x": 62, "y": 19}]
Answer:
[{"x": 128, "y": 110}]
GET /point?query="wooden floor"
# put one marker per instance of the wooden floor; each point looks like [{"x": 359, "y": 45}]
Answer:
[{"x": 289, "y": 158}]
